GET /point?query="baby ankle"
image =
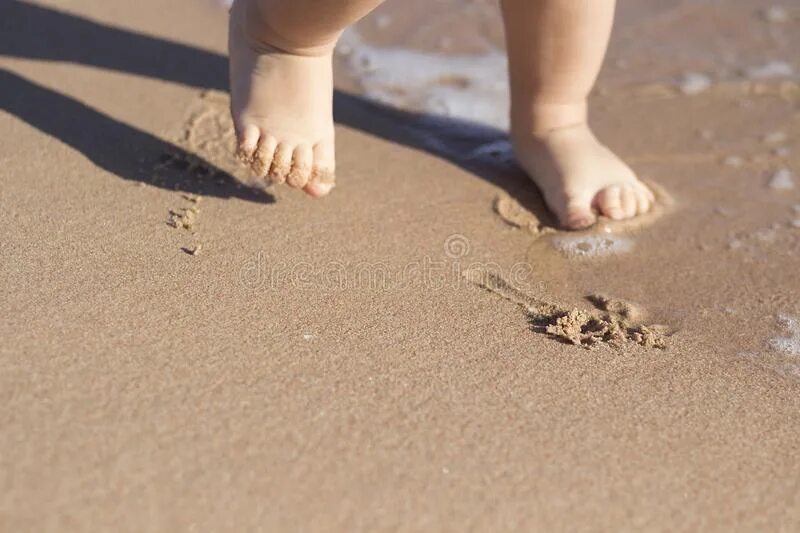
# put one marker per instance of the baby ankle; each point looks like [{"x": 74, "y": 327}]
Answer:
[
  {"x": 264, "y": 37},
  {"x": 540, "y": 117}
]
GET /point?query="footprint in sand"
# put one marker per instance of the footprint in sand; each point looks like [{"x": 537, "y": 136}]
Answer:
[
  {"x": 612, "y": 322},
  {"x": 208, "y": 131}
]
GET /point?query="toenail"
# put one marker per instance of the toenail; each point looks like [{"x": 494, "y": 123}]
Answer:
[
  {"x": 319, "y": 189},
  {"x": 581, "y": 223},
  {"x": 323, "y": 177}
]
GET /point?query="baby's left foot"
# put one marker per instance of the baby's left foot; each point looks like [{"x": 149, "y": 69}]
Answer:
[{"x": 578, "y": 176}]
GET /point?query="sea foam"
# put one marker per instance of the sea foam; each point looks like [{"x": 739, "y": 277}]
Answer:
[
  {"x": 471, "y": 87},
  {"x": 592, "y": 245},
  {"x": 791, "y": 343}
]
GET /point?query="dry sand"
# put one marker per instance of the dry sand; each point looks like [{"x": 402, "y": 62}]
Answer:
[{"x": 331, "y": 365}]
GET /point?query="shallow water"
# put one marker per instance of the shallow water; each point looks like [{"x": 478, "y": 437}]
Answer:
[
  {"x": 447, "y": 57},
  {"x": 592, "y": 245}
]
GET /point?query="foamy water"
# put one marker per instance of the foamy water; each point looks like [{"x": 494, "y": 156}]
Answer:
[
  {"x": 592, "y": 245},
  {"x": 782, "y": 180},
  {"x": 470, "y": 87},
  {"x": 789, "y": 344}
]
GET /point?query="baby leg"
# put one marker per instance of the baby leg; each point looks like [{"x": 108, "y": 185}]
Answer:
[
  {"x": 556, "y": 48},
  {"x": 281, "y": 84}
]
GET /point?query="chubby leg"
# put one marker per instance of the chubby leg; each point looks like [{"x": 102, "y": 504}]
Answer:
[
  {"x": 282, "y": 86},
  {"x": 556, "y": 48}
]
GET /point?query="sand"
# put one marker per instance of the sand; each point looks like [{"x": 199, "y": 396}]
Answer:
[
  {"x": 616, "y": 326},
  {"x": 328, "y": 365}
]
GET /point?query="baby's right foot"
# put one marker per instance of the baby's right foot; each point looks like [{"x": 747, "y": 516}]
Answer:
[
  {"x": 282, "y": 105},
  {"x": 578, "y": 176}
]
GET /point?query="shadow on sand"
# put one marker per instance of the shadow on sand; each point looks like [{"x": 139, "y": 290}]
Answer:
[{"x": 31, "y": 31}]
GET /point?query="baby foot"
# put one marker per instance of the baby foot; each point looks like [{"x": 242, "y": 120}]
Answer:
[
  {"x": 282, "y": 106},
  {"x": 578, "y": 176}
]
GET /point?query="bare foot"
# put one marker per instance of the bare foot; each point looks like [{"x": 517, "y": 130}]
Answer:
[
  {"x": 578, "y": 176},
  {"x": 282, "y": 105}
]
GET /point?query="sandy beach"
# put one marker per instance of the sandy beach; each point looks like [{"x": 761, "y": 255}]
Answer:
[{"x": 422, "y": 350}]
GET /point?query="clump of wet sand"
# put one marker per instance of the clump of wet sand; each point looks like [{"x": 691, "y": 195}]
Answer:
[
  {"x": 612, "y": 322},
  {"x": 186, "y": 218},
  {"x": 183, "y": 218},
  {"x": 193, "y": 250}
]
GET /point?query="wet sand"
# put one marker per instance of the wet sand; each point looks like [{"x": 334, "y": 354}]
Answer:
[{"x": 181, "y": 352}]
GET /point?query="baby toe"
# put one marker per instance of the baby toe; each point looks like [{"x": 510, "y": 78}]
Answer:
[
  {"x": 577, "y": 214},
  {"x": 281, "y": 163},
  {"x": 628, "y": 201},
  {"x": 262, "y": 159},
  {"x": 318, "y": 190},
  {"x": 643, "y": 201},
  {"x": 302, "y": 163},
  {"x": 609, "y": 202},
  {"x": 647, "y": 191},
  {"x": 247, "y": 143},
  {"x": 323, "y": 180},
  {"x": 323, "y": 174}
]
